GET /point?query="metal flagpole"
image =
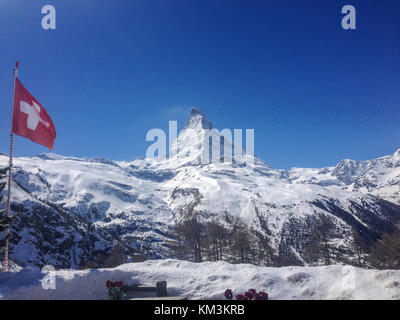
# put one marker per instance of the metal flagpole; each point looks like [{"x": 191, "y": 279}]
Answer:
[{"x": 5, "y": 267}]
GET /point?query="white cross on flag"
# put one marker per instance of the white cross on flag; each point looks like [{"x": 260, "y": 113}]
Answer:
[{"x": 30, "y": 119}]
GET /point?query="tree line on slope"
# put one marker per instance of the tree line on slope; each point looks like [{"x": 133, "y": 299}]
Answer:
[
  {"x": 385, "y": 254},
  {"x": 213, "y": 241},
  {"x": 231, "y": 240}
]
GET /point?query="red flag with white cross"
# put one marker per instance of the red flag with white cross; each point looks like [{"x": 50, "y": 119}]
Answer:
[{"x": 30, "y": 119}]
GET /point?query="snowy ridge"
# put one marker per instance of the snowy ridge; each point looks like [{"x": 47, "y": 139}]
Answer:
[{"x": 134, "y": 203}]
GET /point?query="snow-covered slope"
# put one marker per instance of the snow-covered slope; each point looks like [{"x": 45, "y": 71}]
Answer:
[
  {"x": 134, "y": 203},
  {"x": 209, "y": 280}
]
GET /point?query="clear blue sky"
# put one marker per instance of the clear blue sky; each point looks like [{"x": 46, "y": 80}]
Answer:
[{"x": 112, "y": 70}]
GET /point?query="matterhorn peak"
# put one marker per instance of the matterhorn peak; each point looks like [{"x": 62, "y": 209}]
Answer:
[
  {"x": 197, "y": 120},
  {"x": 396, "y": 157}
]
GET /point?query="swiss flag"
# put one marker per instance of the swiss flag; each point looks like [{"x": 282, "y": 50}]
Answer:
[{"x": 30, "y": 119}]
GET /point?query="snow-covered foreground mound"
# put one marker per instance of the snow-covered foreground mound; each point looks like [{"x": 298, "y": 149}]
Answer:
[{"x": 209, "y": 280}]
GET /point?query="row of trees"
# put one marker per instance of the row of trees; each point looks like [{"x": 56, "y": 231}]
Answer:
[
  {"x": 231, "y": 240},
  {"x": 234, "y": 241}
]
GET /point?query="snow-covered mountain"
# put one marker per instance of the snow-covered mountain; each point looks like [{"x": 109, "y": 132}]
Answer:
[{"x": 74, "y": 208}]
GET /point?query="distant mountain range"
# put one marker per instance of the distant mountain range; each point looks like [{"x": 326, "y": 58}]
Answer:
[{"x": 72, "y": 208}]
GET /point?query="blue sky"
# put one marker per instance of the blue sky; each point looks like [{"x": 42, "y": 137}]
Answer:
[{"x": 112, "y": 70}]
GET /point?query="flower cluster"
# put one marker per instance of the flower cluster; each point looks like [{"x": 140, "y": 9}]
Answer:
[
  {"x": 251, "y": 294},
  {"x": 116, "y": 290}
]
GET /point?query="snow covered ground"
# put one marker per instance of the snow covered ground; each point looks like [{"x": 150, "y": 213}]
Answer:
[{"x": 208, "y": 280}]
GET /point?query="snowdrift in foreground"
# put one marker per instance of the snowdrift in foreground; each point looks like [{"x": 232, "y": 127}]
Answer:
[{"x": 209, "y": 280}]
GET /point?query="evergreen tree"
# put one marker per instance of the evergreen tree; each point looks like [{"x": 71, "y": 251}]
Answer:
[
  {"x": 325, "y": 227},
  {"x": 265, "y": 254},
  {"x": 385, "y": 254},
  {"x": 191, "y": 236},
  {"x": 241, "y": 243},
  {"x": 216, "y": 240},
  {"x": 360, "y": 246},
  {"x": 317, "y": 248}
]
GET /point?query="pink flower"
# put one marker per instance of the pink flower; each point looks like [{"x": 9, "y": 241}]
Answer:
[
  {"x": 228, "y": 294},
  {"x": 252, "y": 291},
  {"x": 263, "y": 295},
  {"x": 248, "y": 296},
  {"x": 257, "y": 296},
  {"x": 239, "y": 296}
]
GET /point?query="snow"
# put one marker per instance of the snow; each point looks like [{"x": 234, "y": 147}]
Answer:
[
  {"x": 119, "y": 195},
  {"x": 208, "y": 280}
]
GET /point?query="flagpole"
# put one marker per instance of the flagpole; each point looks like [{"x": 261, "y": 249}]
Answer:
[{"x": 5, "y": 267}]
